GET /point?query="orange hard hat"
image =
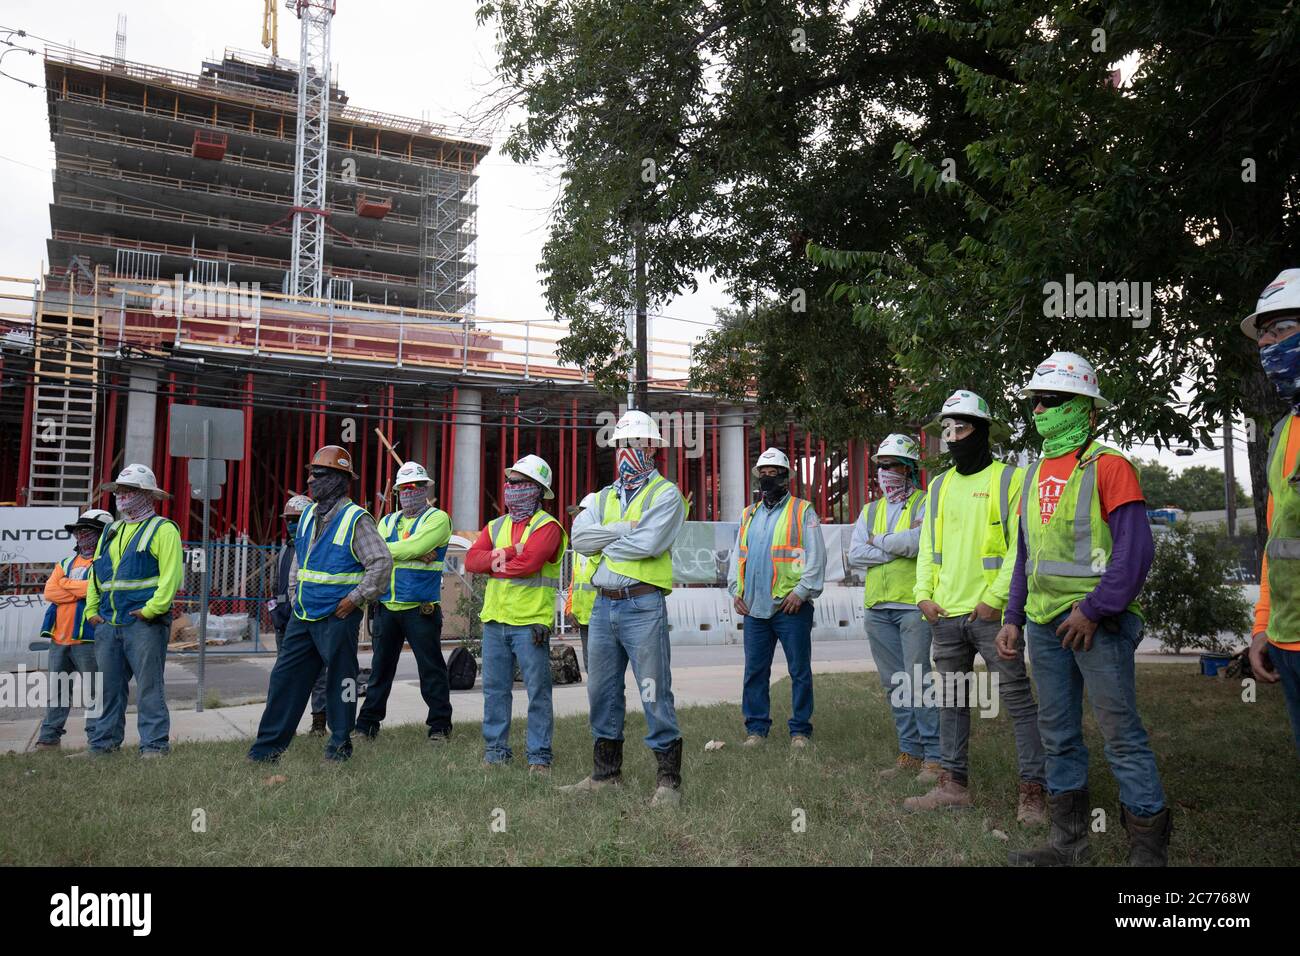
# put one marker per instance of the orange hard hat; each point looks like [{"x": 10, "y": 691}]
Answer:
[{"x": 332, "y": 456}]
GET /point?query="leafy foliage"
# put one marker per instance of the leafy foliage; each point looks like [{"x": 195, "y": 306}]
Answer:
[
  {"x": 1188, "y": 600},
  {"x": 1199, "y": 488}
]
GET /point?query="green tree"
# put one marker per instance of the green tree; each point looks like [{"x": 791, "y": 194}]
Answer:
[{"x": 1188, "y": 599}]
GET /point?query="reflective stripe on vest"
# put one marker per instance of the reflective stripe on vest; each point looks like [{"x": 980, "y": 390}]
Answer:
[
  {"x": 130, "y": 585},
  {"x": 582, "y": 593},
  {"x": 328, "y": 569},
  {"x": 657, "y": 570},
  {"x": 529, "y": 600},
  {"x": 1283, "y": 548},
  {"x": 786, "y": 547},
  {"x": 413, "y": 581},
  {"x": 1002, "y": 502},
  {"x": 892, "y": 582}
]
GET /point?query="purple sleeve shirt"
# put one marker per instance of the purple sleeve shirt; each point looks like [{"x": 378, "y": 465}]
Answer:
[{"x": 1132, "y": 551}]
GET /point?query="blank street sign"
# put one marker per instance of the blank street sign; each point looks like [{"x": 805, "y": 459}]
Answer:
[{"x": 185, "y": 438}]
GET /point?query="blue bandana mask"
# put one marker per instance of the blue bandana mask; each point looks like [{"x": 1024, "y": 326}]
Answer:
[{"x": 1281, "y": 362}]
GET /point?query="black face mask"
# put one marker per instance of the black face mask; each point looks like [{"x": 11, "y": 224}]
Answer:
[
  {"x": 773, "y": 488},
  {"x": 292, "y": 526},
  {"x": 326, "y": 486},
  {"x": 971, "y": 454}
]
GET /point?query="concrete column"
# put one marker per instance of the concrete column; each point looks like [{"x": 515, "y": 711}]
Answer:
[
  {"x": 141, "y": 417},
  {"x": 731, "y": 462},
  {"x": 466, "y": 482}
]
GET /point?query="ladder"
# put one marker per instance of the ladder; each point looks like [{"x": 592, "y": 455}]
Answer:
[{"x": 64, "y": 399}]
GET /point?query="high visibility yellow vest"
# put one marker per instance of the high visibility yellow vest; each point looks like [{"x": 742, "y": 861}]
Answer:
[
  {"x": 657, "y": 570},
  {"x": 997, "y": 529},
  {"x": 528, "y": 600},
  {"x": 1283, "y": 548},
  {"x": 891, "y": 583},
  {"x": 1065, "y": 558},
  {"x": 582, "y": 593},
  {"x": 787, "y": 547}
]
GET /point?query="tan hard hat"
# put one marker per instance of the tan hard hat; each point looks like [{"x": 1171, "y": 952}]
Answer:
[{"x": 332, "y": 456}]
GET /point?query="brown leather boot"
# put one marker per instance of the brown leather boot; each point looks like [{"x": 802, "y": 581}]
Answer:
[
  {"x": 1067, "y": 843},
  {"x": 946, "y": 793},
  {"x": 1148, "y": 837},
  {"x": 318, "y": 728},
  {"x": 904, "y": 764},
  {"x": 1031, "y": 804}
]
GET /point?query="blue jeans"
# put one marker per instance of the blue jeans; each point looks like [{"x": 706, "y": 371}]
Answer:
[
  {"x": 123, "y": 651},
  {"x": 1287, "y": 665},
  {"x": 502, "y": 645},
  {"x": 900, "y": 646},
  {"x": 317, "y": 689},
  {"x": 633, "y": 630},
  {"x": 67, "y": 659},
  {"x": 1107, "y": 672},
  {"x": 794, "y": 631},
  {"x": 308, "y": 647}
]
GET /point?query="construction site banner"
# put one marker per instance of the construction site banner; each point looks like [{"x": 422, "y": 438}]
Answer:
[
  {"x": 703, "y": 549},
  {"x": 35, "y": 535}
]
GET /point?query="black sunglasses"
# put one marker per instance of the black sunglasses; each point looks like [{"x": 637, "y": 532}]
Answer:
[{"x": 1050, "y": 399}]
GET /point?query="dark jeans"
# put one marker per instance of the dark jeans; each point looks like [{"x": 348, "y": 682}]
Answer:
[
  {"x": 794, "y": 631},
  {"x": 582, "y": 631},
  {"x": 1287, "y": 665},
  {"x": 318, "y": 689},
  {"x": 308, "y": 647},
  {"x": 389, "y": 630}
]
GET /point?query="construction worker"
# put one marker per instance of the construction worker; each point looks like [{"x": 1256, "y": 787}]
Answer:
[
  {"x": 282, "y": 608},
  {"x": 582, "y": 593},
  {"x": 963, "y": 572},
  {"x": 775, "y": 573},
  {"x": 340, "y": 564},
  {"x": 632, "y": 529},
  {"x": 134, "y": 575},
  {"x": 1084, "y": 549},
  {"x": 522, "y": 550},
  {"x": 1275, "y": 637},
  {"x": 410, "y": 609},
  {"x": 886, "y": 539},
  {"x": 72, "y": 645}
]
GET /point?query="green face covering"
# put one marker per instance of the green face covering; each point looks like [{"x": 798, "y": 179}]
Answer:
[{"x": 1065, "y": 427}]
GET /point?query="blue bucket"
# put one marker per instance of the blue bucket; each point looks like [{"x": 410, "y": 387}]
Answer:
[{"x": 1211, "y": 664}]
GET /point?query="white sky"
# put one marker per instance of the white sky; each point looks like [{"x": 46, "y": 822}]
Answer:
[{"x": 410, "y": 58}]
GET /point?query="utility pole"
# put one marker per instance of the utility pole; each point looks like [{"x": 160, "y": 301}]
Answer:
[{"x": 1229, "y": 478}]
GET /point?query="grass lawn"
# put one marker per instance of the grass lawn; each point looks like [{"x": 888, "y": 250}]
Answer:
[{"x": 1229, "y": 768}]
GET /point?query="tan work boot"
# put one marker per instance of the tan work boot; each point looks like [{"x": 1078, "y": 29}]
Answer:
[
  {"x": 754, "y": 740},
  {"x": 903, "y": 764},
  {"x": 1031, "y": 805},
  {"x": 947, "y": 793},
  {"x": 46, "y": 745},
  {"x": 929, "y": 774},
  {"x": 539, "y": 770},
  {"x": 799, "y": 742}
]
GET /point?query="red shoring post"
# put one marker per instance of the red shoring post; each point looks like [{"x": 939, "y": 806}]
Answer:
[
  {"x": 715, "y": 467},
  {"x": 559, "y": 476},
  {"x": 501, "y": 472},
  {"x": 246, "y": 466},
  {"x": 573, "y": 455},
  {"x": 822, "y": 465},
  {"x": 110, "y": 438},
  {"x": 451, "y": 453},
  {"x": 516, "y": 431}
]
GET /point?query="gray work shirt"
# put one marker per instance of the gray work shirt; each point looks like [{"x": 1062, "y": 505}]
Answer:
[
  {"x": 371, "y": 550},
  {"x": 867, "y": 551},
  {"x": 758, "y": 566},
  {"x": 654, "y": 533}
]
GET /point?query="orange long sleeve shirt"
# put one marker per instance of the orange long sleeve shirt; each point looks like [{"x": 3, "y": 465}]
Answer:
[
  {"x": 64, "y": 592},
  {"x": 1262, "y": 607}
]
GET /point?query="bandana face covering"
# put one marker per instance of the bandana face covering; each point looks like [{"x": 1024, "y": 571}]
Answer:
[
  {"x": 86, "y": 541},
  {"x": 897, "y": 486},
  {"x": 412, "y": 499},
  {"x": 326, "y": 486},
  {"x": 134, "y": 505},
  {"x": 293, "y": 527},
  {"x": 522, "y": 500},
  {"x": 1281, "y": 362},
  {"x": 633, "y": 466},
  {"x": 773, "y": 487},
  {"x": 971, "y": 455},
  {"x": 1065, "y": 427}
]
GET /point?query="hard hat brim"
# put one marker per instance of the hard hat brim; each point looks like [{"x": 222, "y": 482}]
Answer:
[
  {"x": 754, "y": 471},
  {"x": 347, "y": 471},
  {"x": 998, "y": 432},
  {"x": 112, "y": 486},
  {"x": 547, "y": 493},
  {"x": 1250, "y": 324},
  {"x": 894, "y": 454},
  {"x": 1097, "y": 400},
  {"x": 88, "y": 525}
]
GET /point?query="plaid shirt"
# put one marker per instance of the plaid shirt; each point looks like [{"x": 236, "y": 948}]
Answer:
[{"x": 371, "y": 550}]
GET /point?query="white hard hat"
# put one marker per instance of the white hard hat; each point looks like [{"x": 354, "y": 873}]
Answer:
[
  {"x": 92, "y": 519},
  {"x": 410, "y": 473},
  {"x": 637, "y": 424},
  {"x": 898, "y": 446},
  {"x": 537, "y": 469},
  {"x": 1066, "y": 372},
  {"x": 295, "y": 506},
  {"x": 772, "y": 456},
  {"x": 136, "y": 478},
  {"x": 1280, "y": 295},
  {"x": 966, "y": 404}
]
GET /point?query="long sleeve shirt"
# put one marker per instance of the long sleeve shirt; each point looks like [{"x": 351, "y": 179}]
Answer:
[
  {"x": 435, "y": 533},
  {"x": 758, "y": 565},
  {"x": 371, "y": 550},
  {"x": 542, "y": 546},
  {"x": 649, "y": 537},
  {"x": 1132, "y": 552},
  {"x": 166, "y": 549},
  {"x": 868, "y": 550},
  {"x": 1263, "y": 607},
  {"x": 65, "y": 591}
]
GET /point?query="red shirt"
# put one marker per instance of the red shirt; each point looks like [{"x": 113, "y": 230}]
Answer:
[
  {"x": 543, "y": 546},
  {"x": 1117, "y": 483}
]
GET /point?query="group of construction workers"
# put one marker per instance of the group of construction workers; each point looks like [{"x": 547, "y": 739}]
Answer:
[{"x": 986, "y": 558}]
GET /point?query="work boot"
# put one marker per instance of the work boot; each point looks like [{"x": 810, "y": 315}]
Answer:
[
  {"x": 799, "y": 742},
  {"x": 929, "y": 774},
  {"x": 318, "y": 728},
  {"x": 539, "y": 769},
  {"x": 46, "y": 745},
  {"x": 668, "y": 792},
  {"x": 1148, "y": 837},
  {"x": 1031, "y": 804},
  {"x": 439, "y": 737},
  {"x": 903, "y": 763},
  {"x": 1067, "y": 843},
  {"x": 607, "y": 768},
  {"x": 946, "y": 793},
  {"x": 754, "y": 740}
]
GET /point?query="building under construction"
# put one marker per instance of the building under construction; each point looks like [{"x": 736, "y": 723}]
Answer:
[{"x": 169, "y": 283}]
